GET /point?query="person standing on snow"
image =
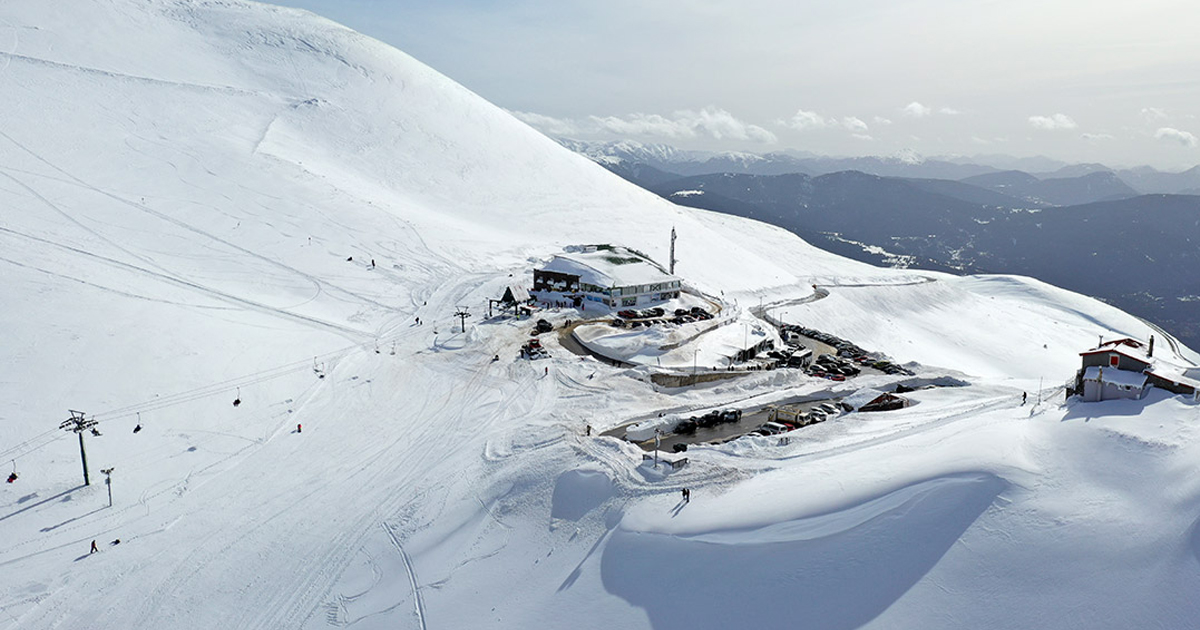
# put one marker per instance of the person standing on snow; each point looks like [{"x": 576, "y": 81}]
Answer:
[{"x": 94, "y": 548}]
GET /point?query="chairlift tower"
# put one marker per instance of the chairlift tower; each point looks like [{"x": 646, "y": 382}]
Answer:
[
  {"x": 462, "y": 315},
  {"x": 78, "y": 424}
]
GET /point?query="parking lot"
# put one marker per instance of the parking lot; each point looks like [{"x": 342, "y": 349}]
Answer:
[{"x": 724, "y": 432}]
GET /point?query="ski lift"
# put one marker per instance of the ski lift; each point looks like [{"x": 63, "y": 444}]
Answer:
[
  {"x": 13, "y": 475},
  {"x": 139, "y": 423},
  {"x": 96, "y": 432},
  {"x": 237, "y": 401},
  {"x": 393, "y": 347},
  {"x": 319, "y": 370}
]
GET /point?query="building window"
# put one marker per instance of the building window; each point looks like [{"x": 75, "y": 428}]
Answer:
[
  {"x": 1113, "y": 360},
  {"x": 630, "y": 301}
]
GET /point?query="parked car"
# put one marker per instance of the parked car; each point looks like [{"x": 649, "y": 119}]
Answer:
[
  {"x": 679, "y": 448},
  {"x": 828, "y": 408},
  {"x": 687, "y": 426},
  {"x": 731, "y": 415},
  {"x": 543, "y": 326},
  {"x": 680, "y": 312},
  {"x": 655, "y": 312},
  {"x": 774, "y": 428},
  {"x": 709, "y": 419},
  {"x": 628, "y": 314}
]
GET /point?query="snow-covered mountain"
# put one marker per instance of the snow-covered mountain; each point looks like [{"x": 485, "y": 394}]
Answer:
[{"x": 210, "y": 201}]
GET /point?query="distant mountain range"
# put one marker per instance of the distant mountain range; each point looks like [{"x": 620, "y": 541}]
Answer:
[
  {"x": 1083, "y": 227},
  {"x": 1140, "y": 180}
]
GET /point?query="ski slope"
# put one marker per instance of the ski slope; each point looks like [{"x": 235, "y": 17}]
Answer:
[{"x": 209, "y": 200}]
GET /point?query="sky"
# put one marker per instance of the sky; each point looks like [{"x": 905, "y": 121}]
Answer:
[{"x": 1075, "y": 80}]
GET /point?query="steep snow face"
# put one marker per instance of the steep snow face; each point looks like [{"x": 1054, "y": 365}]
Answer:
[{"x": 214, "y": 201}]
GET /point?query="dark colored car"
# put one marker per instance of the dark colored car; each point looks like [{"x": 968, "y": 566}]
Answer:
[
  {"x": 687, "y": 426},
  {"x": 544, "y": 326},
  {"x": 709, "y": 419}
]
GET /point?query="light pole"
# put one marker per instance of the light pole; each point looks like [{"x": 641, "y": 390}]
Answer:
[{"x": 108, "y": 482}]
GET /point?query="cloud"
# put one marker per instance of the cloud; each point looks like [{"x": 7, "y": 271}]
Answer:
[
  {"x": 880, "y": 120},
  {"x": 549, "y": 125},
  {"x": 949, "y": 111},
  {"x": 855, "y": 125},
  {"x": 1169, "y": 134},
  {"x": 711, "y": 122},
  {"x": 1097, "y": 136},
  {"x": 1057, "y": 121},
  {"x": 804, "y": 120},
  {"x": 917, "y": 110},
  {"x": 1153, "y": 113}
]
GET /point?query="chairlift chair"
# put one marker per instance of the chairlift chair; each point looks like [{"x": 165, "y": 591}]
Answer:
[{"x": 238, "y": 400}]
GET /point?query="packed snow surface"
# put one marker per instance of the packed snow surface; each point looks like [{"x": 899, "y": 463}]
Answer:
[{"x": 203, "y": 201}]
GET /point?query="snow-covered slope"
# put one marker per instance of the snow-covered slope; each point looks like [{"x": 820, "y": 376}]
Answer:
[{"x": 208, "y": 200}]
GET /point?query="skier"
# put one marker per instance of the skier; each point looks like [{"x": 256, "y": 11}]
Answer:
[
  {"x": 372, "y": 263},
  {"x": 547, "y": 371},
  {"x": 94, "y": 548},
  {"x": 1024, "y": 397},
  {"x": 298, "y": 427},
  {"x": 687, "y": 495},
  {"x": 589, "y": 430}
]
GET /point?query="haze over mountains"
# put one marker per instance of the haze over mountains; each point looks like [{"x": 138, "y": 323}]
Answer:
[
  {"x": 1139, "y": 180},
  {"x": 1129, "y": 237}
]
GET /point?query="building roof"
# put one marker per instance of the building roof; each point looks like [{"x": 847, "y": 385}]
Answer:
[
  {"x": 1129, "y": 352},
  {"x": 1124, "y": 341},
  {"x": 1113, "y": 376},
  {"x": 1175, "y": 375},
  {"x": 862, "y": 398},
  {"x": 615, "y": 267},
  {"x": 517, "y": 292}
]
